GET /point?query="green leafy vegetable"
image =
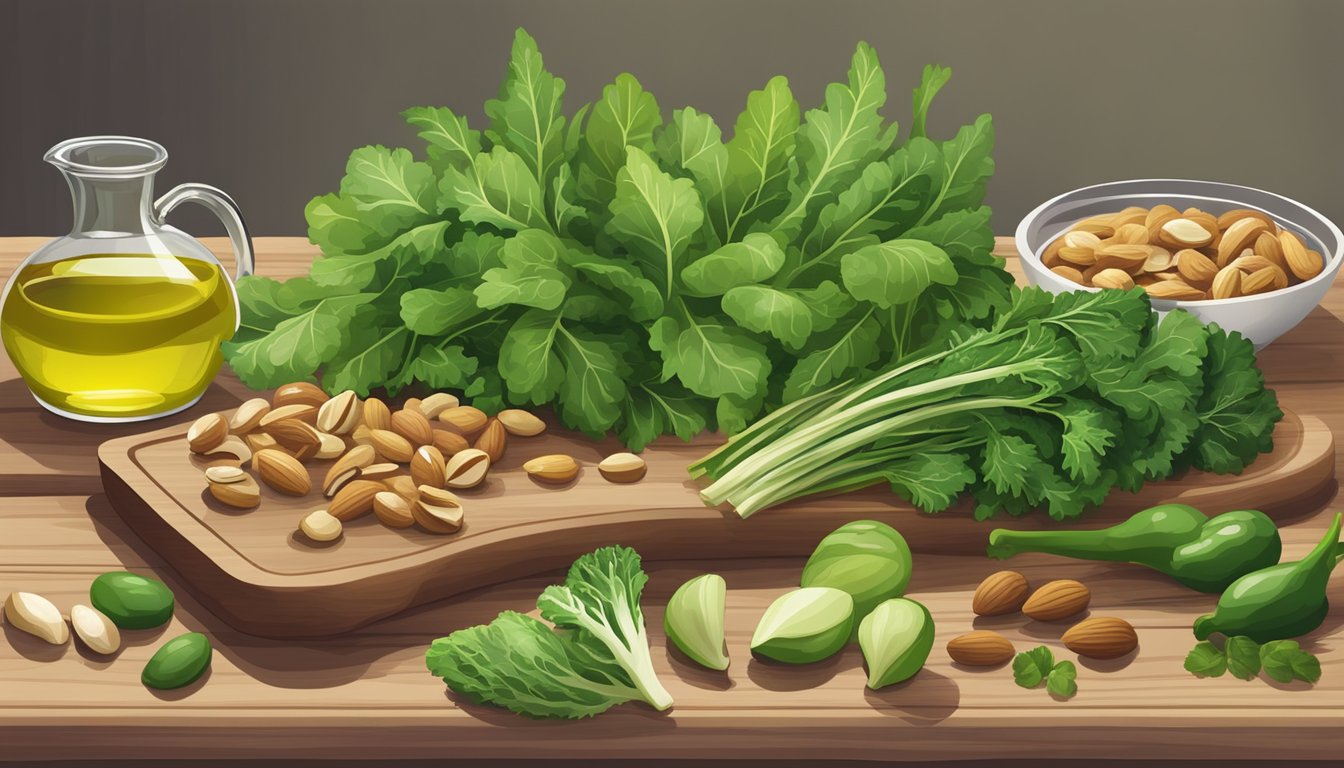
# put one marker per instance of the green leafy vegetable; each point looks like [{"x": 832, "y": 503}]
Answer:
[
  {"x": 1031, "y": 668},
  {"x": 1061, "y": 682},
  {"x": 596, "y": 657},
  {"x": 1206, "y": 660},
  {"x": 1060, "y": 400},
  {"x": 1243, "y": 657},
  {"x": 1281, "y": 660},
  {"x": 642, "y": 273}
]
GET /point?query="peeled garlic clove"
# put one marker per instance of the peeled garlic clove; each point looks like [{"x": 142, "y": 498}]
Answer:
[
  {"x": 95, "y": 630},
  {"x": 37, "y": 616}
]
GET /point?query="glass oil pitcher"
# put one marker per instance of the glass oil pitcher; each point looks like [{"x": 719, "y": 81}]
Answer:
[{"x": 121, "y": 320}]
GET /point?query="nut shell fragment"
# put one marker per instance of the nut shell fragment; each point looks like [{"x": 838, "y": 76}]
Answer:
[{"x": 207, "y": 433}]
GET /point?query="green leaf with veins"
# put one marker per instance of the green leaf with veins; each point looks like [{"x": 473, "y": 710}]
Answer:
[
  {"x": 855, "y": 348},
  {"x": 336, "y": 225},
  {"x": 437, "y": 311},
  {"x": 390, "y": 189},
  {"x": 896, "y": 272},
  {"x": 624, "y": 117},
  {"x": 763, "y": 309},
  {"x": 528, "y": 362},
  {"x": 1243, "y": 657},
  {"x": 443, "y": 367},
  {"x": 1031, "y": 667},
  {"x": 296, "y": 346},
  {"x": 655, "y": 216},
  {"x": 1206, "y": 660},
  {"x": 498, "y": 189},
  {"x": 526, "y": 117},
  {"x": 753, "y": 260},
  {"x": 757, "y": 174},
  {"x": 452, "y": 144},
  {"x": 932, "y": 81},
  {"x": 1061, "y": 682},
  {"x": 713, "y": 360},
  {"x": 967, "y": 166},
  {"x": 930, "y": 481},
  {"x": 693, "y": 143},
  {"x": 370, "y": 356},
  {"x": 593, "y": 385}
]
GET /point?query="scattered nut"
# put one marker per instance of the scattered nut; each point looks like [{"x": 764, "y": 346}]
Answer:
[
  {"x": 298, "y": 393},
  {"x": 1057, "y": 600},
  {"x": 403, "y": 486},
  {"x": 298, "y": 437},
  {"x": 1101, "y": 637},
  {"x": 437, "y": 403},
  {"x": 438, "y": 510},
  {"x": 391, "y": 446},
  {"x": 623, "y": 468},
  {"x": 225, "y": 474},
  {"x": 1000, "y": 593},
  {"x": 379, "y": 471},
  {"x": 206, "y": 433},
  {"x": 981, "y": 648},
  {"x": 257, "y": 441},
  {"x": 412, "y": 425},
  {"x": 392, "y": 510},
  {"x": 240, "y": 494},
  {"x": 449, "y": 442},
  {"x": 347, "y": 467},
  {"x": 553, "y": 468},
  {"x": 466, "y": 469},
  {"x": 248, "y": 415},
  {"x": 235, "y": 447},
  {"x": 376, "y": 414},
  {"x": 282, "y": 472},
  {"x": 521, "y": 423},
  {"x": 330, "y": 446},
  {"x": 354, "y": 499},
  {"x": 95, "y": 630},
  {"x": 464, "y": 419},
  {"x": 300, "y": 411},
  {"x": 320, "y": 525},
  {"x": 428, "y": 466},
  {"x": 340, "y": 414},
  {"x": 37, "y": 616},
  {"x": 493, "y": 439}
]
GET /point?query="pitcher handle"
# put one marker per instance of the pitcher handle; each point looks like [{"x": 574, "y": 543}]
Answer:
[{"x": 223, "y": 207}]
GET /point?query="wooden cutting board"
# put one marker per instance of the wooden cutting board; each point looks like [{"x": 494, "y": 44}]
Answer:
[{"x": 257, "y": 573}]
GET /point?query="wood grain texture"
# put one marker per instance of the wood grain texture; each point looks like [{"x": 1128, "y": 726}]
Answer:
[
  {"x": 366, "y": 694},
  {"x": 257, "y": 573}
]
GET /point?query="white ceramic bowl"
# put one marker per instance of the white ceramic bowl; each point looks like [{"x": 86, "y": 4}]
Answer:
[{"x": 1260, "y": 318}]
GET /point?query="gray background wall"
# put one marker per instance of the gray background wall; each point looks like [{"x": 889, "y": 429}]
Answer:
[{"x": 265, "y": 98}]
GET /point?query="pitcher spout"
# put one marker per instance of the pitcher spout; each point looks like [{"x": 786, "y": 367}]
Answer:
[{"x": 111, "y": 182}]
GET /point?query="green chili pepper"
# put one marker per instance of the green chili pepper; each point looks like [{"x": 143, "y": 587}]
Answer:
[
  {"x": 1203, "y": 554},
  {"x": 1280, "y": 602}
]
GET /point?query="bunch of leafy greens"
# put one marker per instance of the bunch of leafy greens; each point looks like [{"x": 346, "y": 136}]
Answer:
[
  {"x": 641, "y": 274},
  {"x": 1038, "y": 664},
  {"x": 596, "y": 657},
  {"x": 1281, "y": 660},
  {"x": 1060, "y": 400}
]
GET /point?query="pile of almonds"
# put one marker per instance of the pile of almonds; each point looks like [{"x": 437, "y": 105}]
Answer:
[
  {"x": 1185, "y": 255},
  {"x": 402, "y": 465},
  {"x": 1008, "y": 592}
]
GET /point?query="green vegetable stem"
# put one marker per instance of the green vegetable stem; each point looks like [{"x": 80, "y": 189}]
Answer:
[
  {"x": 1203, "y": 554},
  {"x": 1280, "y": 602}
]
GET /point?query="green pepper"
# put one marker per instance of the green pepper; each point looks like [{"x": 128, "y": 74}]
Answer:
[
  {"x": 1203, "y": 554},
  {"x": 1280, "y": 602}
]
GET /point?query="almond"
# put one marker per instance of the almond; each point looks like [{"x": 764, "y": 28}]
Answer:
[
  {"x": 1117, "y": 279},
  {"x": 404, "y": 487},
  {"x": 1050, "y": 256},
  {"x": 412, "y": 425},
  {"x": 340, "y": 414},
  {"x": 259, "y": 440},
  {"x": 1077, "y": 238},
  {"x": 376, "y": 414},
  {"x": 428, "y": 466},
  {"x": 234, "y": 447},
  {"x": 1159, "y": 259},
  {"x": 980, "y": 648},
  {"x": 298, "y": 393},
  {"x": 1195, "y": 267},
  {"x": 553, "y": 468},
  {"x": 391, "y": 446},
  {"x": 379, "y": 471},
  {"x": 493, "y": 440},
  {"x": 321, "y": 525},
  {"x": 1267, "y": 245},
  {"x": 347, "y": 468},
  {"x": 1000, "y": 593},
  {"x": 242, "y": 494},
  {"x": 1134, "y": 234},
  {"x": 330, "y": 447},
  {"x": 1258, "y": 282},
  {"x": 464, "y": 419},
  {"x": 1100, "y": 226},
  {"x": 300, "y": 411},
  {"x": 521, "y": 423},
  {"x": 1248, "y": 261},
  {"x": 37, "y": 616},
  {"x": 1206, "y": 220},
  {"x": 1068, "y": 273},
  {"x": 1057, "y": 600},
  {"x": 360, "y": 435},
  {"x": 1101, "y": 637},
  {"x": 98, "y": 633},
  {"x": 1134, "y": 214},
  {"x": 206, "y": 433},
  {"x": 392, "y": 510},
  {"x": 1225, "y": 220},
  {"x": 623, "y": 468},
  {"x": 466, "y": 469},
  {"x": 1304, "y": 263},
  {"x": 412, "y": 403},
  {"x": 247, "y": 416},
  {"x": 297, "y": 436},
  {"x": 355, "y": 499},
  {"x": 1128, "y": 258},
  {"x": 1078, "y": 257},
  {"x": 1174, "y": 290},
  {"x": 437, "y": 403},
  {"x": 1241, "y": 235},
  {"x": 1227, "y": 283},
  {"x": 449, "y": 442},
  {"x": 282, "y": 472},
  {"x": 1157, "y": 216},
  {"x": 225, "y": 474},
  {"x": 438, "y": 511},
  {"x": 1184, "y": 233}
]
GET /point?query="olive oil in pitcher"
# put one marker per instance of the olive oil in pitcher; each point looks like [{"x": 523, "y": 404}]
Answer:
[{"x": 118, "y": 334}]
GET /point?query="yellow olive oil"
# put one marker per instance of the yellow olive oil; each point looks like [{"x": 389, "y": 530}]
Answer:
[{"x": 118, "y": 335}]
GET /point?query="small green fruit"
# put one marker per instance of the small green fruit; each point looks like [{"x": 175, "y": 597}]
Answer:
[
  {"x": 896, "y": 638},
  {"x": 180, "y": 661},
  {"x": 805, "y": 625},
  {"x": 132, "y": 601},
  {"x": 867, "y": 559},
  {"x": 694, "y": 620}
]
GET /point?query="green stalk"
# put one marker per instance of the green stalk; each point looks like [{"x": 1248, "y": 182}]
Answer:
[{"x": 777, "y": 421}]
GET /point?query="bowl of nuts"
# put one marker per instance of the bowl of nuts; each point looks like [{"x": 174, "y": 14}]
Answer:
[{"x": 1249, "y": 260}]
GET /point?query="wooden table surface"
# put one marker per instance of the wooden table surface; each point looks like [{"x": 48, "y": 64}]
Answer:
[{"x": 367, "y": 695}]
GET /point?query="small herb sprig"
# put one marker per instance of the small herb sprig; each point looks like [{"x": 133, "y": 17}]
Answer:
[
  {"x": 1031, "y": 667},
  {"x": 1280, "y": 660}
]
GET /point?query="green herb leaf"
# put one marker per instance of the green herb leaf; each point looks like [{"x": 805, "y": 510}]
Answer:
[
  {"x": 625, "y": 116},
  {"x": 655, "y": 216},
  {"x": 1243, "y": 657},
  {"x": 498, "y": 189},
  {"x": 1031, "y": 667},
  {"x": 1306, "y": 667},
  {"x": 1206, "y": 660},
  {"x": 526, "y": 117},
  {"x": 933, "y": 80},
  {"x": 452, "y": 144},
  {"x": 757, "y": 258},
  {"x": 769, "y": 310},
  {"x": 1061, "y": 681}
]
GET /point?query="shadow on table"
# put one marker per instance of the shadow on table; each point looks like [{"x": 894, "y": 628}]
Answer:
[{"x": 928, "y": 698}]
